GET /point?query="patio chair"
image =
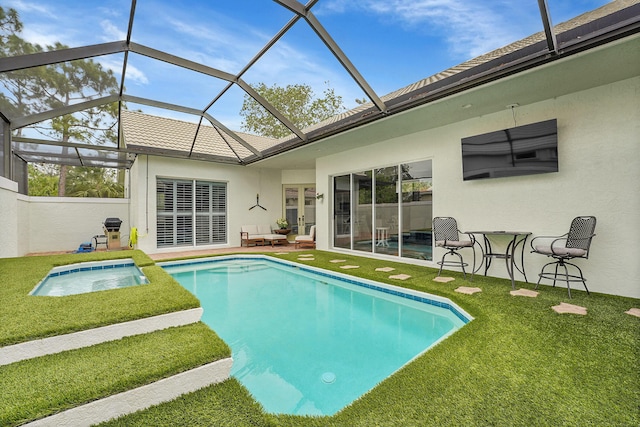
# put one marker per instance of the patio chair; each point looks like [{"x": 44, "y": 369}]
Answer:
[
  {"x": 574, "y": 244},
  {"x": 308, "y": 240},
  {"x": 447, "y": 236}
]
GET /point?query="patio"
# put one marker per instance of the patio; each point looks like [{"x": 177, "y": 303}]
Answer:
[
  {"x": 371, "y": 175},
  {"x": 519, "y": 363}
]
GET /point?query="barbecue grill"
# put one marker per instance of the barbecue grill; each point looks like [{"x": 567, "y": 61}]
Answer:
[
  {"x": 112, "y": 231},
  {"x": 112, "y": 224}
]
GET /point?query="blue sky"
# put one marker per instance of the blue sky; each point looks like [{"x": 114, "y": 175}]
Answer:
[{"x": 392, "y": 43}]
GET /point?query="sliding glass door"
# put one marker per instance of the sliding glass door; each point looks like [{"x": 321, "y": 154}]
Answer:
[
  {"x": 385, "y": 210},
  {"x": 362, "y": 214},
  {"x": 417, "y": 212},
  {"x": 342, "y": 211}
]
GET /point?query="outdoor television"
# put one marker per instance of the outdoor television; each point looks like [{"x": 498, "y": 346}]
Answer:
[{"x": 522, "y": 150}]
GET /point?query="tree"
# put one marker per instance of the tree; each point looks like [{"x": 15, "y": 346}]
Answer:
[
  {"x": 93, "y": 182},
  {"x": 43, "y": 181},
  {"x": 17, "y": 101},
  {"x": 55, "y": 86},
  {"x": 63, "y": 84},
  {"x": 296, "y": 102}
]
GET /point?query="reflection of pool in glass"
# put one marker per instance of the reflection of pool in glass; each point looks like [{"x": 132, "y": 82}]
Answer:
[
  {"x": 411, "y": 248},
  {"x": 306, "y": 341},
  {"x": 90, "y": 277}
]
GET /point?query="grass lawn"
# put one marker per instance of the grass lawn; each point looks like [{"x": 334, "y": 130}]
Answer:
[
  {"x": 517, "y": 364},
  {"x": 49, "y": 316},
  {"x": 34, "y": 388}
]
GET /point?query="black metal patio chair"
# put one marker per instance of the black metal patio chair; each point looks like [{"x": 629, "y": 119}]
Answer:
[
  {"x": 574, "y": 244},
  {"x": 446, "y": 235}
]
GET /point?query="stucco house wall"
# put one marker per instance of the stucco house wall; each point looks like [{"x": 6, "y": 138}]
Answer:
[
  {"x": 9, "y": 231},
  {"x": 63, "y": 223},
  {"x": 599, "y": 172},
  {"x": 243, "y": 184}
]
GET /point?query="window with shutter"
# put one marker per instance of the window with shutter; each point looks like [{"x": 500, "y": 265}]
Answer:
[
  {"x": 211, "y": 213},
  {"x": 191, "y": 208}
]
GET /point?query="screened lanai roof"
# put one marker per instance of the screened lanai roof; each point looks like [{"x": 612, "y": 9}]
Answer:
[{"x": 177, "y": 76}]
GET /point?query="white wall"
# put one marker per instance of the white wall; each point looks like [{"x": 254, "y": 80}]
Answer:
[
  {"x": 63, "y": 223},
  {"x": 301, "y": 176},
  {"x": 52, "y": 224},
  {"x": 24, "y": 222},
  {"x": 243, "y": 184},
  {"x": 599, "y": 172},
  {"x": 9, "y": 230}
]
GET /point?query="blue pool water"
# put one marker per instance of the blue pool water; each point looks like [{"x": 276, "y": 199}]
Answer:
[
  {"x": 309, "y": 342},
  {"x": 90, "y": 277}
]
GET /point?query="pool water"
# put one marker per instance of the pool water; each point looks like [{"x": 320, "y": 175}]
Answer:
[
  {"x": 90, "y": 277},
  {"x": 306, "y": 343}
]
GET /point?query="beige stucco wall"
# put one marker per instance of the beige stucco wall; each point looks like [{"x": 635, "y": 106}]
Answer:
[
  {"x": 599, "y": 172},
  {"x": 243, "y": 184}
]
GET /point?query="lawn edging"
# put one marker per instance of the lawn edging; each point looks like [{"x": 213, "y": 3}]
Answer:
[
  {"x": 143, "y": 397},
  {"x": 89, "y": 337}
]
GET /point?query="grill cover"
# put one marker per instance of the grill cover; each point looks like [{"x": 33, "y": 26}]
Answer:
[{"x": 112, "y": 224}]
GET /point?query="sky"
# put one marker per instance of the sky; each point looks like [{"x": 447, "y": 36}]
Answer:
[{"x": 392, "y": 43}]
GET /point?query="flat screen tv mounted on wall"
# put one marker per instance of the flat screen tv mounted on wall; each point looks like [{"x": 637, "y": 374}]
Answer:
[{"x": 522, "y": 150}]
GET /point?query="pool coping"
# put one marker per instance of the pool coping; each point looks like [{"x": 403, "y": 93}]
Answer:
[
  {"x": 411, "y": 294},
  {"x": 56, "y": 344}
]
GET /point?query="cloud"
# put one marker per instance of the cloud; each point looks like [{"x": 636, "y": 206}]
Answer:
[
  {"x": 111, "y": 31},
  {"x": 136, "y": 76},
  {"x": 26, "y": 7},
  {"x": 469, "y": 28}
]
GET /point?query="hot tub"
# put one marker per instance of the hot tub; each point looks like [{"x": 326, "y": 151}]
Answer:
[{"x": 90, "y": 277}]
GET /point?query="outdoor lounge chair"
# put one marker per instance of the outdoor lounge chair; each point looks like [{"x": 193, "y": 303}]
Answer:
[
  {"x": 574, "y": 244},
  {"x": 259, "y": 235},
  {"x": 309, "y": 240},
  {"x": 447, "y": 235}
]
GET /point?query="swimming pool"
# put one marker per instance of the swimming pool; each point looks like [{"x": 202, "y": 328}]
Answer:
[
  {"x": 307, "y": 341},
  {"x": 90, "y": 277}
]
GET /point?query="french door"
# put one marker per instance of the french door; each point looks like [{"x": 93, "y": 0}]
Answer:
[{"x": 300, "y": 207}]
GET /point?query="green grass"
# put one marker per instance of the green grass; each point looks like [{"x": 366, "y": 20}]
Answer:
[
  {"x": 42, "y": 386},
  {"x": 24, "y": 317},
  {"x": 517, "y": 364}
]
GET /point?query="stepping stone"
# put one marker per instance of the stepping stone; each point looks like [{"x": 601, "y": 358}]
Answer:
[
  {"x": 563, "y": 307},
  {"x": 282, "y": 253},
  {"x": 400, "y": 276},
  {"x": 306, "y": 259},
  {"x": 524, "y": 293},
  {"x": 385, "y": 269},
  {"x": 346, "y": 267},
  {"x": 338, "y": 260},
  {"x": 467, "y": 290},
  {"x": 443, "y": 279},
  {"x": 634, "y": 312}
]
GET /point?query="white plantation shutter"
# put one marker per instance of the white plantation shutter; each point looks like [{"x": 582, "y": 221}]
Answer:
[
  {"x": 211, "y": 213},
  {"x": 186, "y": 209}
]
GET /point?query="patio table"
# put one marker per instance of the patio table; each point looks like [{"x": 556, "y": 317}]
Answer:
[{"x": 518, "y": 238}]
